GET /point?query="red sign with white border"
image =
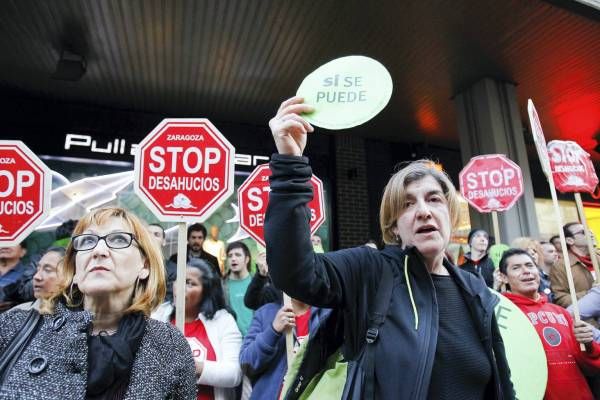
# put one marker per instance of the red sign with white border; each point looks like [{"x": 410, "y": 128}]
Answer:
[
  {"x": 572, "y": 167},
  {"x": 25, "y": 186},
  {"x": 491, "y": 183},
  {"x": 253, "y": 198},
  {"x": 184, "y": 170}
]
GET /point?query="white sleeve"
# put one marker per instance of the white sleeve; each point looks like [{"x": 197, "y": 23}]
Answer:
[{"x": 225, "y": 372}]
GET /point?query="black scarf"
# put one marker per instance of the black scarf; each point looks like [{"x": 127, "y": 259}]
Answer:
[{"x": 110, "y": 358}]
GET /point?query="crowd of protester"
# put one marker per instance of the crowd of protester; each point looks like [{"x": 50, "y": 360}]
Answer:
[{"x": 93, "y": 316}]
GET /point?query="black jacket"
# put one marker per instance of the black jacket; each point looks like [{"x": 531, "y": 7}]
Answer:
[
  {"x": 209, "y": 258},
  {"x": 163, "y": 367},
  {"x": 348, "y": 279},
  {"x": 260, "y": 292},
  {"x": 484, "y": 268}
]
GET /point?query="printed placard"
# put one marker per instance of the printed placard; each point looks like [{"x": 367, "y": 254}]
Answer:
[
  {"x": 524, "y": 350},
  {"x": 346, "y": 92}
]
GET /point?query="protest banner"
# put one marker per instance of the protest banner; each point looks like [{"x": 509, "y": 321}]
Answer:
[{"x": 184, "y": 170}]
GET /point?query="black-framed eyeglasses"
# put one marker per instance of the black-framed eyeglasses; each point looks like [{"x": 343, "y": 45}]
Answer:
[{"x": 114, "y": 240}]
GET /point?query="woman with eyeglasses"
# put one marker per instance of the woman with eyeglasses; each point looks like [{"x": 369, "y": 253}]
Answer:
[{"x": 95, "y": 340}]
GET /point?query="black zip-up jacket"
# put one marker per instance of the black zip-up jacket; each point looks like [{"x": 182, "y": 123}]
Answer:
[
  {"x": 484, "y": 268},
  {"x": 348, "y": 279}
]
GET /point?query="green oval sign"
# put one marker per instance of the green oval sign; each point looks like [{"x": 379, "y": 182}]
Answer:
[
  {"x": 346, "y": 92},
  {"x": 524, "y": 350}
]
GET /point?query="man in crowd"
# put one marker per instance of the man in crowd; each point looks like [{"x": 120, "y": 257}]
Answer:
[
  {"x": 560, "y": 336},
  {"x": 216, "y": 247},
  {"x": 158, "y": 234},
  {"x": 196, "y": 233},
  {"x": 555, "y": 240},
  {"x": 580, "y": 264},
  {"x": 549, "y": 259},
  {"x": 11, "y": 273},
  {"x": 477, "y": 260},
  {"x": 237, "y": 281}
]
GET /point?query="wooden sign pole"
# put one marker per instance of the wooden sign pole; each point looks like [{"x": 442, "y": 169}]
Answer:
[
  {"x": 289, "y": 335},
  {"x": 496, "y": 227},
  {"x": 588, "y": 235},
  {"x": 180, "y": 282}
]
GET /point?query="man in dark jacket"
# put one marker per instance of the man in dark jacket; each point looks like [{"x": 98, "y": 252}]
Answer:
[
  {"x": 477, "y": 261},
  {"x": 12, "y": 273},
  {"x": 439, "y": 318},
  {"x": 196, "y": 233}
]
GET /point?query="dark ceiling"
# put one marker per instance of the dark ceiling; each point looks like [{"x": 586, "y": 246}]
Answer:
[{"x": 235, "y": 60}]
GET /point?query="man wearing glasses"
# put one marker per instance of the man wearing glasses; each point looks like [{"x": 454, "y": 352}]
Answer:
[{"x": 581, "y": 266}]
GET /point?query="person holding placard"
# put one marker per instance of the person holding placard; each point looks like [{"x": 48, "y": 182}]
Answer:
[
  {"x": 413, "y": 352},
  {"x": 581, "y": 266},
  {"x": 534, "y": 248},
  {"x": 263, "y": 354},
  {"x": 559, "y": 334}
]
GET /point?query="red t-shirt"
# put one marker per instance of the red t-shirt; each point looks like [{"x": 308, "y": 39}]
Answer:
[
  {"x": 302, "y": 322},
  {"x": 566, "y": 362},
  {"x": 195, "y": 333}
]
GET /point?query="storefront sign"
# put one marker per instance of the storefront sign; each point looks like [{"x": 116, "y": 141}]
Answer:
[{"x": 121, "y": 146}]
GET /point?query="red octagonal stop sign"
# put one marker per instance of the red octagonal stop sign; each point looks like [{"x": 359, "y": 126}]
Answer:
[
  {"x": 253, "y": 198},
  {"x": 184, "y": 169},
  {"x": 571, "y": 166},
  {"x": 491, "y": 183},
  {"x": 25, "y": 184}
]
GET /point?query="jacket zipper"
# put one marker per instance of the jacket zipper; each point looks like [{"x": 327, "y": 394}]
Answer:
[
  {"x": 419, "y": 385},
  {"x": 488, "y": 328}
]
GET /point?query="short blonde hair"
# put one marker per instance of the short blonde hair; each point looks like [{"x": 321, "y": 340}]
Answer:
[
  {"x": 394, "y": 195},
  {"x": 525, "y": 243},
  {"x": 149, "y": 293}
]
